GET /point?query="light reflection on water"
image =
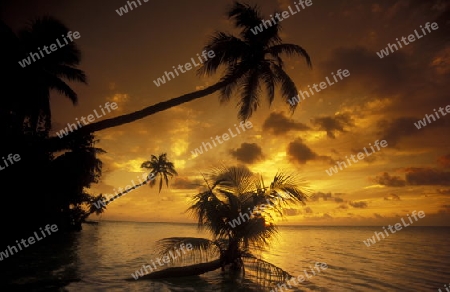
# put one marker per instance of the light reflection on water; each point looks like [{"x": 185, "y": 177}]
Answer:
[{"x": 102, "y": 258}]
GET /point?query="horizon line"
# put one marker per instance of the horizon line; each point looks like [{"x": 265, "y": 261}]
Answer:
[{"x": 280, "y": 225}]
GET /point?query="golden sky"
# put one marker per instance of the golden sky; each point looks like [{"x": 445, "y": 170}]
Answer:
[{"x": 381, "y": 99}]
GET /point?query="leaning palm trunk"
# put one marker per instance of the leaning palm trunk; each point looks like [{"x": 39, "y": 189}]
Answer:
[
  {"x": 192, "y": 270},
  {"x": 161, "y": 106},
  {"x": 263, "y": 272},
  {"x": 55, "y": 143},
  {"x": 94, "y": 209}
]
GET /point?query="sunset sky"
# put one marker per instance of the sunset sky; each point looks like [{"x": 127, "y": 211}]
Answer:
[{"x": 381, "y": 99}]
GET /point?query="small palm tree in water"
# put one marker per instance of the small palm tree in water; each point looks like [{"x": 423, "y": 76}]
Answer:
[{"x": 237, "y": 208}]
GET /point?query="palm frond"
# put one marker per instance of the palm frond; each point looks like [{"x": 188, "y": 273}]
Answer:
[
  {"x": 239, "y": 71},
  {"x": 264, "y": 270},
  {"x": 228, "y": 50},
  {"x": 256, "y": 233},
  {"x": 268, "y": 79},
  {"x": 63, "y": 88},
  {"x": 244, "y": 15},
  {"x": 166, "y": 179},
  {"x": 160, "y": 182},
  {"x": 249, "y": 101},
  {"x": 247, "y": 17},
  {"x": 146, "y": 164},
  {"x": 236, "y": 180},
  {"x": 211, "y": 213},
  {"x": 160, "y": 166},
  {"x": 69, "y": 73},
  {"x": 290, "y": 189},
  {"x": 290, "y": 50},
  {"x": 288, "y": 88},
  {"x": 93, "y": 208},
  {"x": 196, "y": 250},
  {"x": 42, "y": 31}
]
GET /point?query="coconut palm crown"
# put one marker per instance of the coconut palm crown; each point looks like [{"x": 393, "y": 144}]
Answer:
[
  {"x": 48, "y": 72},
  {"x": 251, "y": 61},
  {"x": 162, "y": 167}
]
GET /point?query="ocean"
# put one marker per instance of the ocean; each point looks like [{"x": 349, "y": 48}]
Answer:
[{"x": 103, "y": 257}]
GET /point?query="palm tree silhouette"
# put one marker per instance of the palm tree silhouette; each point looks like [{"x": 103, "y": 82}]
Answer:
[
  {"x": 232, "y": 192},
  {"x": 162, "y": 167},
  {"x": 73, "y": 171},
  {"x": 250, "y": 62},
  {"x": 48, "y": 72},
  {"x": 157, "y": 165},
  {"x": 25, "y": 121}
]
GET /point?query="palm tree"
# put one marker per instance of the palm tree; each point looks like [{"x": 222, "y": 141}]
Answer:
[
  {"x": 73, "y": 172},
  {"x": 10, "y": 82},
  {"x": 157, "y": 166},
  {"x": 162, "y": 167},
  {"x": 250, "y": 62},
  {"x": 49, "y": 71},
  {"x": 25, "y": 121},
  {"x": 231, "y": 193}
]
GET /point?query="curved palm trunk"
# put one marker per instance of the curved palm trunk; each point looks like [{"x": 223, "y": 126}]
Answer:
[
  {"x": 56, "y": 143},
  {"x": 192, "y": 270},
  {"x": 161, "y": 106},
  {"x": 122, "y": 193}
]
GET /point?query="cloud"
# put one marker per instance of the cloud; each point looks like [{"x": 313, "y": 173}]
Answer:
[
  {"x": 443, "y": 191},
  {"x": 333, "y": 124},
  {"x": 318, "y": 195},
  {"x": 308, "y": 210},
  {"x": 185, "y": 183},
  {"x": 441, "y": 62},
  {"x": 165, "y": 198},
  {"x": 394, "y": 130},
  {"x": 378, "y": 216},
  {"x": 444, "y": 161},
  {"x": 297, "y": 151},
  {"x": 427, "y": 176},
  {"x": 367, "y": 158},
  {"x": 360, "y": 204},
  {"x": 390, "y": 181},
  {"x": 446, "y": 209},
  {"x": 396, "y": 9},
  {"x": 415, "y": 176},
  {"x": 291, "y": 212},
  {"x": 376, "y": 8},
  {"x": 327, "y": 216},
  {"x": 383, "y": 78},
  {"x": 277, "y": 123},
  {"x": 392, "y": 197},
  {"x": 248, "y": 153},
  {"x": 122, "y": 99},
  {"x": 338, "y": 200},
  {"x": 343, "y": 206},
  {"x": 326, "y": 196}
]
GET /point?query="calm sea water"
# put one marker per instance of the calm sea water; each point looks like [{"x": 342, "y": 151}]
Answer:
[{"x": 102, "y": 258}]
